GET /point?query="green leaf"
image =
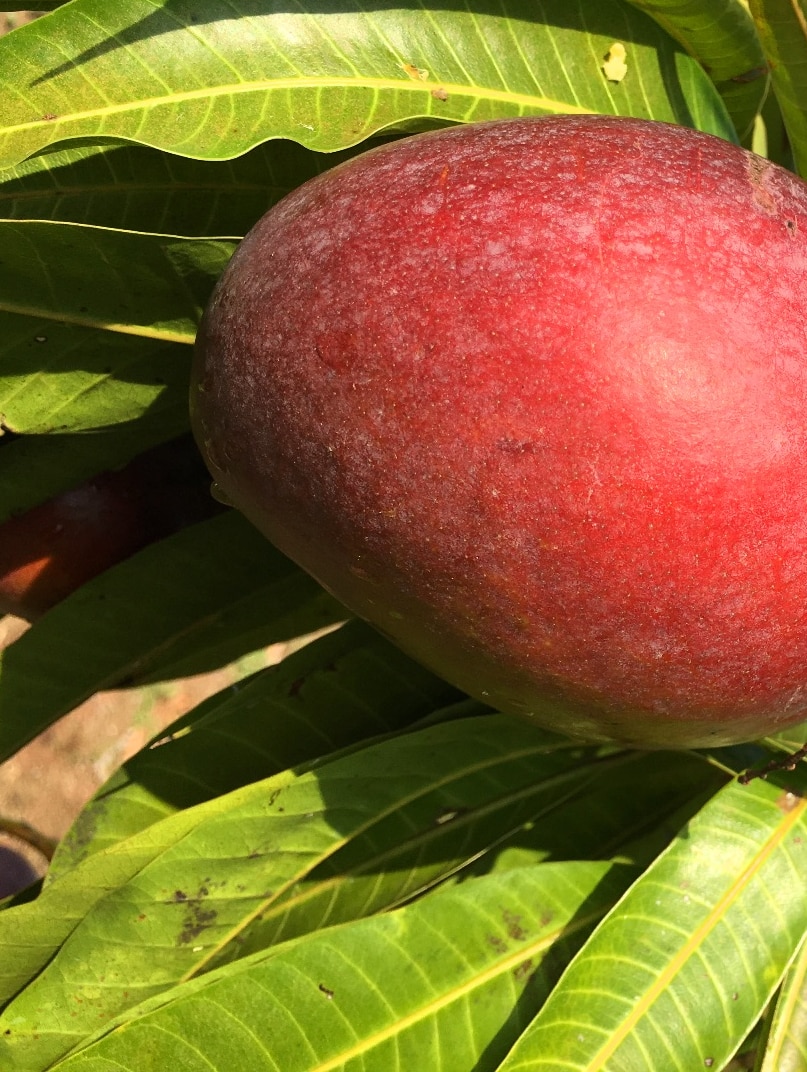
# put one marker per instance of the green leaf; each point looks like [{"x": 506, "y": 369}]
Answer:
[
  {"x": 776, "y": 142},
  {"x": 194, "y": 78},
  {"x": 721, "y": 35},
  {"x": 445, "y": 984},
  {"x": 782, "y": 27},
  {"x": 95, "y": 325},
  {"x": 249, "y": 852},
  {"x": 409, "y": 851},
  {"x": 683, "y": 967},
  {"x": 336, "y": 691},
  {"x": 786, "y": 1041},
  {"x": 623, "y": 809},
  {"x": 133, "y": 188},
  {"x": 118, "y": 626}
]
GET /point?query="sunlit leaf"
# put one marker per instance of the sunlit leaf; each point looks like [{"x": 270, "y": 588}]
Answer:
[
  {"x": 447, "y": 984},
  {"x": 681, "y": 970},
  {"x": 246, "y": 851},
  {"x": 209, "y": 79},
  {"x": 786, "y": 1041},
  {"x": 721, "y": 35}
]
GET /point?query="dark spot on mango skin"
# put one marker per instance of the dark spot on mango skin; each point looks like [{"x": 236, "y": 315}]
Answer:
[{"x": 758, "y": 170}]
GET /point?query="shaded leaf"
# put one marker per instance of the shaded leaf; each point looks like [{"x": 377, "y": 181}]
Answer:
[
  {"x": 721, "y": 35},
  {"x": 138, "y": 189},
  {"x": 194, "y": 78},
  {"x": 629, "y": 809},
  {"x": 35, "y": 468},
  {"x": 776, "y": 143},
  {"x": 782, "y": 27},
  {"x": 336, "y": 691},
  {"x": 95, "y": 325},
  {"x": 244, "y": 853},
  {"x": 680, "y": 971},
  {"x": 409, "y": 852},
  {"x": 445, "y": 984},
  {"x": 117, "y": 625}
]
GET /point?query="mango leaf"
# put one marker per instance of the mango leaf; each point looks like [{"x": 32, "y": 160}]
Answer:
[
  {"x": 785, "y": 1043},
  {"x": 524, "y": 820},
  {"x": 776, "y": 144},
  {"x": 680, "y": 971},
  {"x": 133, "y": 188},
  {"x": 247, "y": 852},
  {"x": 195, "y": 79},
  {"x": 338, "y": 690},
  {"x": 782, "y": 27},
  {"x": 630, "y": 809},
  {"x": 721, "y": 35},
  {"x": 119, "y": 625},
  {"x": 95, "y": 324},
  {"x": 35, "y": 468},
  {"x": 446, "y": 983}
]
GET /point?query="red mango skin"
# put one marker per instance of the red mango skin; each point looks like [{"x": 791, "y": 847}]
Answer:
[
  {"x": 52, "y": 549},
  {"x": 531, "y": 396}
]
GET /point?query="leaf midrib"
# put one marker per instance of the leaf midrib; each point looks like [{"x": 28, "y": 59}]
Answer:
[
  {"x": 269, "y": 85},
  {"x": 436, "y": 1005},
  {"x": 62, "y": 317},
  {"x": 696, "y": 939}
]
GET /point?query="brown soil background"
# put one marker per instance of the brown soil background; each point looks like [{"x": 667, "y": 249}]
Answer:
[{"x": 45, "y": 785}]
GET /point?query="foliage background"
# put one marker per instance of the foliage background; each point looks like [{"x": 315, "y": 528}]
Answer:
[{"x": 343, "y": 863}]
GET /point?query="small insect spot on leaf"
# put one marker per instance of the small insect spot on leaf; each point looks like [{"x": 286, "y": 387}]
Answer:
[
  {"x": 449, "y": 816},
  {"x": 40, "y": 338},
  {"x": 614, "y": 66},
  {"x": 50, "y": 116},
  {"x": 326, "y": 991},
  {"x": 417, "y": 74},
  {"x": 440, "y": 94},
  {"x": 513, "y": 924},
  {"x": 787, "y": 801},
  {"x": 708, "y": 1061}
]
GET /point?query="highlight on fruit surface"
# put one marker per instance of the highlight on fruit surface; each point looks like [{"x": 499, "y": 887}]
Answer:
[{"x": 531, "y": 397}]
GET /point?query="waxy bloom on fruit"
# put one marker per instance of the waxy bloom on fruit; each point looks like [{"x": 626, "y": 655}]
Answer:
[{"x": 531, "y": 396}]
